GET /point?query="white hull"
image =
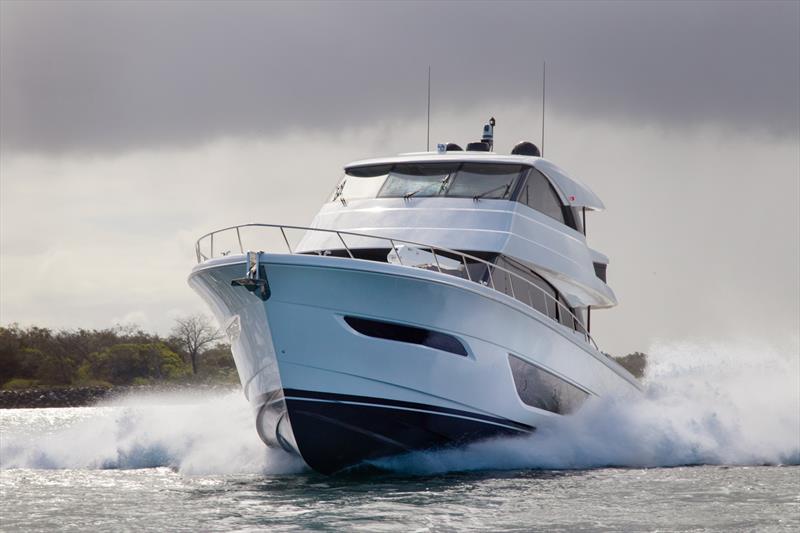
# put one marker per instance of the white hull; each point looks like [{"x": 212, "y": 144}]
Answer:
[{"x": 341, "y": 396}]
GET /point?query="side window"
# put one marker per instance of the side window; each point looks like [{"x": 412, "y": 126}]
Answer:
[
  {"x": 538, "y": 194},
  {"x": 537, "y": 293},
  {"x": 564, "y": 315},
  {"x": 541, "y": 296},
  {"x": 577, "y": 219}
]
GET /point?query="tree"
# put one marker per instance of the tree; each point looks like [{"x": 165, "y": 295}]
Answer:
[
  {"x": 122, "y": 364},
  {"x": 193, "y": 334},
  {"x": 635, "y": 363},
  {"x": 11, "y": 365}
]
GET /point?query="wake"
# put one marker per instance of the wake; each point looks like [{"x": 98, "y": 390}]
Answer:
[
  {"x": 713, "y": 404},
  {"x": 719, "y": 404}
]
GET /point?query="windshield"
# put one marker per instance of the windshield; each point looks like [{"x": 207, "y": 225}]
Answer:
[
  {"x": 417, "y": 180},
  {"x": 414, "y": 179},
  {"x": 484, "y": 180},
  {"x": 460, "y": 180},
  {"x": 361, "y": 182}
]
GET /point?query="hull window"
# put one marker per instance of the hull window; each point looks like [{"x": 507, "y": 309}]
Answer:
[
  {"x": 541, "y": 389},
  {"x": 410, "y": 334}
]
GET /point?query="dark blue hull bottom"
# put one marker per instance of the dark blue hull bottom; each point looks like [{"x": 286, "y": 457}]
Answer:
[{"x": 334, "y": 431}]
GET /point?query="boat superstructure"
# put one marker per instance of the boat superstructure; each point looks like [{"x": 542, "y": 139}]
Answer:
[{"x": 436, "y": 299}]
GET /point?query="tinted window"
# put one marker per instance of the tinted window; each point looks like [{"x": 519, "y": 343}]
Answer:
[
  {"x": 369, "y": 172},
  {"x": 416, "y": 179},
  {"x": 600, "y": 270},
  {"x": 541, "y": 296},
  {"x": 565, "y": 313},
  {"x": 484, "y": 180},
  {"x": 403, "y": 333},
  {"x": 462, "y": 180},
  {"x": 361, "y": 182},
  {"x": 541, "y": 389},
  {"x": 538, "y": 194},
  {"x": 577, "y": 218}
]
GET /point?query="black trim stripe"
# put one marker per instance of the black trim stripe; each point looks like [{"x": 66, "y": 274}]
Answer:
[
  {"x": 332, "y": 436},
  {"x": 329, "y": 396}
]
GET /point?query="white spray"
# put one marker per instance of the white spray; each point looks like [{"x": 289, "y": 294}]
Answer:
[
  {"x": 212, "y": 434},
  {"x": 732, "y": 403}
]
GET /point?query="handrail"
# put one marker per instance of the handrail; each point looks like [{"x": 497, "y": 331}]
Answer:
[{"x": 393, "y": 245}]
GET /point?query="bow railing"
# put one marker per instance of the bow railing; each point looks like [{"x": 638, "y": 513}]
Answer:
[{"x": 444, "y": 260}]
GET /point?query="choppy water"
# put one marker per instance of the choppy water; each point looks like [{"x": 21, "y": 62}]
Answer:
[{"x": 714, "y": 444}]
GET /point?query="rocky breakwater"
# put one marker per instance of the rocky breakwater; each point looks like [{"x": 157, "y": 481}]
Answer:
[{"x": 85, "y": 396}]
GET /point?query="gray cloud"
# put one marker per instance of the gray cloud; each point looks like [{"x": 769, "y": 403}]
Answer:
[{"x": 119, "y": 76}]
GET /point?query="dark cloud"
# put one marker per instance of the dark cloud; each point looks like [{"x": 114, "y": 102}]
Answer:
[{"x": 117, "y": 76}]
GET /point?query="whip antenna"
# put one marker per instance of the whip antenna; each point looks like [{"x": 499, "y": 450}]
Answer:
[
  {"x": 428, "y": 139},
  {"x": 544, "y": 86}
]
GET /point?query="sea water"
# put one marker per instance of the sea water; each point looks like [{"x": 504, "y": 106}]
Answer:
[{"x": 713, "y": 444}]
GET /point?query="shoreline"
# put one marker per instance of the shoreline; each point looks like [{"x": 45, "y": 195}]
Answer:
[{"x": 90, "y": 396}]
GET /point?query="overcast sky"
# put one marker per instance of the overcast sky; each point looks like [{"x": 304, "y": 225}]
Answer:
[{"x": 129, "y": 129}]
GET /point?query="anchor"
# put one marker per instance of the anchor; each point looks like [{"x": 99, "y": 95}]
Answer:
[{"x": 255, "y": 279}]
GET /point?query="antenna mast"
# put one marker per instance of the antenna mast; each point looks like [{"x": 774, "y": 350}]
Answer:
[
  {"x": 428, "y": 139},
  {"x": 544, "y": 86}
]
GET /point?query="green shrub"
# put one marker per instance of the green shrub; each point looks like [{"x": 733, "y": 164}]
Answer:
[
  {"x": 20, "y": 384},
  {"x": 219, "y": 356},
  {"x": 121, "y": 364}
]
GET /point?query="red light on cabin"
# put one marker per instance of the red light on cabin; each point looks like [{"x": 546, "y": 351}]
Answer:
[{"x": 572, "y": 198}]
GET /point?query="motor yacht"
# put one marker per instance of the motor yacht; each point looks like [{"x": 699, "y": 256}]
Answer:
[{"x": 436, "y": 299}]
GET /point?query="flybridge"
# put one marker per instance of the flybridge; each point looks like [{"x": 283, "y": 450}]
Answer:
[{"x": 571, "y": 191}]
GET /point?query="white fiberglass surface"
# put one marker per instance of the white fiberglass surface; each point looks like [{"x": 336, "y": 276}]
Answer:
[
  {"x": 489, "y": 225},
  {"x": 313, "y": 294}
]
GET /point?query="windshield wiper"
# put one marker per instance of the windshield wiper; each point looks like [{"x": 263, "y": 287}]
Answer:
[
  {"x": 444, "y": 184},
  {"x": 339, "y": 189},
  {"x": 409, "y": 195},
  {"x": 507, "y": 187}
]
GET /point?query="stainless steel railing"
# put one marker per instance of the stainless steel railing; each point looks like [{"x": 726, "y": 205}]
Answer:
[{"x": 206, "y": 243}]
